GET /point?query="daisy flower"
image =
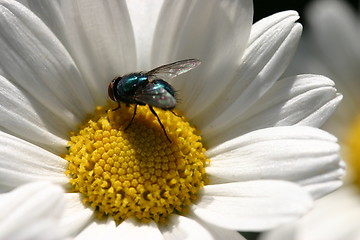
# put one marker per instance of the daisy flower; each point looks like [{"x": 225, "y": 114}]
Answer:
[
  {"x": 332, "y": 48},
  {"x": 246, "y": 151}
]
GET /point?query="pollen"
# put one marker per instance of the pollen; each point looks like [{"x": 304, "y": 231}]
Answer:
[
  {"x": 353, "y": 145},
  {"x": 136, "y": 172}
]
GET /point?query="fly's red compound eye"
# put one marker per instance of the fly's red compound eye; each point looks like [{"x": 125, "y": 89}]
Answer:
[{"x": 111, "y": 90}]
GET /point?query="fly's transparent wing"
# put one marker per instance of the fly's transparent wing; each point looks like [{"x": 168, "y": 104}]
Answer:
[
  {"x": 174, "y": 69},
  {"x": 155, "y": 95}
]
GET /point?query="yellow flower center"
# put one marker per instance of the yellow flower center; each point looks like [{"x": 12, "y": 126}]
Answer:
[{"x": 137, "y": 172}]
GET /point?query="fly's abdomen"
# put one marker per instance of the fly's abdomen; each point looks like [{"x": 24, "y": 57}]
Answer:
[
  {"x": 156, "y": 94},
  {"x": 165, "y": 85}
]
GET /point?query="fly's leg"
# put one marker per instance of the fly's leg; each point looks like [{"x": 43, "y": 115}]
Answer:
[
  {"x": 117, "y": 107},
  {"x": 162, "y": 126},
  {"x": 177, "y": 115},
  {"x": 132, "y": 117}
]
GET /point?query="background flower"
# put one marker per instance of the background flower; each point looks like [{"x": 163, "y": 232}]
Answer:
[{"x": 331, "y": 48}]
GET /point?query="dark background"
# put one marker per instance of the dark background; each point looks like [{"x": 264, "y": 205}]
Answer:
[{"x": 264, "y": 8}]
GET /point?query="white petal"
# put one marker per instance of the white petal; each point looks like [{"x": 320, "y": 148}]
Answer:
[
  {"x": 31, "y": 212},
  {"x": 253, "y": 205},
  {"x": 324, "y": 183},
  {"x": 309, "y": 100},
  {"x": 131, "y": 229},
  {"x": 215, "y": 32},
  {"x": 334, "y": 217},
  {"x": 300, "y": 100},
  {"x": 221, "y": 233},
  {"x": 49, "y": 12},
  {"x": 284, "y": 232},
  {"x": 97, "y": 34},
  {"x": 33, "y": 58},
  {"x": 269, "y": 52},
  {"x": 22, "y": 162},
  {"x": 22, "y": 116},
  {"x": 140, "y": 12},
  {"x": 179, "y": 227},
  {"x": 76, "y": 215},
  {"x": 305, "y": 155},
  {"x": 99, "y": 230}
]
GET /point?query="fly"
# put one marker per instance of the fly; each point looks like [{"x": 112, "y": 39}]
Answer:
[{"x": 150, "y": 88}]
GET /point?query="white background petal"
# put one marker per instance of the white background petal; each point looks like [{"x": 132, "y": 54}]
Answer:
[
  {"x": 31, "y": 211},
  {"x": 335, "y": 27},
  {"x": 270, "y": 49},
  {"x": 300, "y": 100},
  {"x": 180, "y": 227},
  {"x": 252, "y": 206},
  {"x": 331, "y": 48},
  {"x": 22, "y": 162},
  {"x": 215, "y": 33},
  {"x": 33, "y": 58},
  {"x": 305, "y": 155}
]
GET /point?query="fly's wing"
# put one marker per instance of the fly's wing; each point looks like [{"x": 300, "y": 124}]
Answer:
[
  {"x": 174, "y": 69},
  {"x": 155, "y": 95}
]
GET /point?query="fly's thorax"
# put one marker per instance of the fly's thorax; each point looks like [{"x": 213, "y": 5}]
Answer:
[
  {"x": 123, "y": 88},
  {"x": 129, "y": 83}
]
